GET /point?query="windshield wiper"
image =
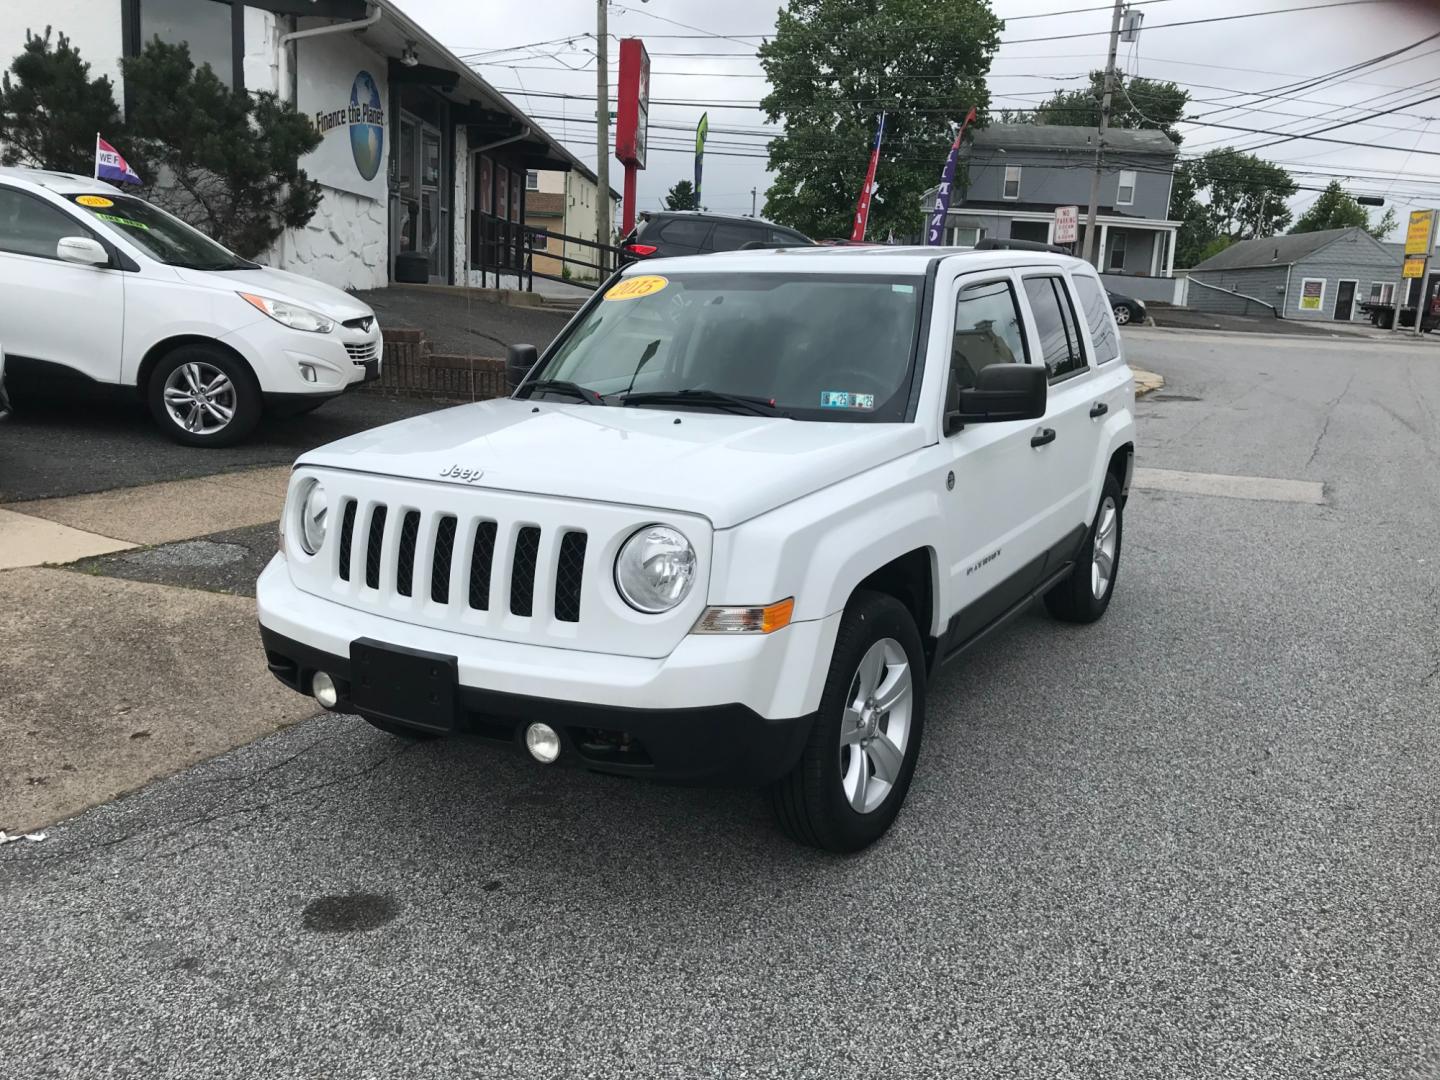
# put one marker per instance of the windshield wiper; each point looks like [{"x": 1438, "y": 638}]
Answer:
[
  {"x": 563, "y": 386},
  {"x": 743, "y": 403}
]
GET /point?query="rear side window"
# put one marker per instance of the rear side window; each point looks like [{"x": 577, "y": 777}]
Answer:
[
  {"x": 781, "y": 236},
  {"x": 730, "y": 236},
  {"x": 1054, "y": 319},
  {"x": 30, "y": 226},
  {"x": 987, "y": 331},
  {"x": 684, "y": 232},
  {"x": 1097, "y": 314}
]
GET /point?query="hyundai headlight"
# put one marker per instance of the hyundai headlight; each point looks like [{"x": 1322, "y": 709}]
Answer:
[
  {"x": 314, "y": 508},
  {"x": 655, "y": 569},
  {"x": 291, "y": 315}
]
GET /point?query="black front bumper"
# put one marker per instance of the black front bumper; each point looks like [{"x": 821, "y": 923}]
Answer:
[{"x": 717, "y": 744}]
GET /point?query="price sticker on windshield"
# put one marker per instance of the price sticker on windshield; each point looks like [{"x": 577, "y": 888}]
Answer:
[
  {"x": 96, "y": 202},
  {"x": 636, "y": 287}
]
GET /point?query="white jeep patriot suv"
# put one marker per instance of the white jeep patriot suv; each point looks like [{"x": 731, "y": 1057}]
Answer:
[{"x": 728, "y": 525}]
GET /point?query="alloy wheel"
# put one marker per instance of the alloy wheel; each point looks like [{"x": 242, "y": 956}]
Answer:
[
  {"x": 1122, "y": 314},
  {"x": 1107, "y": 540},
  {"x": 200, "y": 398},
  {"x": 875, "y": 730}
]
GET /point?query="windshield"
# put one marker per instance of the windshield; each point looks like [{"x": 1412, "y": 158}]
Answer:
[
  {"x": 819, "y": 347},
  {"x": 163, "y": 237}
]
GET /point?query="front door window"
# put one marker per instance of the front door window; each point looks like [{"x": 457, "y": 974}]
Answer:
[{"x": 421, "y": 204}]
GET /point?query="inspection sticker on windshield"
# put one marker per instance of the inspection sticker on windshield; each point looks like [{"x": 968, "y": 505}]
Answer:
[
  {"x": 96, "y": 202},
  {"x": 636, "y": 287},
  {"x": 839, "y": 399},
  {"x": 118, "y": 220}
]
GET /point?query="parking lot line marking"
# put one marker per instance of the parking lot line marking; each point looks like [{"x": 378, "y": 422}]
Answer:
[
  {"x": 1264, "y": 488},
  {"x": 32, "y": 541}
]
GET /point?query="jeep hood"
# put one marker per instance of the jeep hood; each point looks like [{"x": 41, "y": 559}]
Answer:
[{"x": 725, "y": 467}]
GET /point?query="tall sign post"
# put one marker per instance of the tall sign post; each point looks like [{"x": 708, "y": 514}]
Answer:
[
  {"x": 632, "y": 120},
  {"x": 935, "y": 234},
  {"x": 603, "y": 221},
  {"x": 1419, "y": 240}
]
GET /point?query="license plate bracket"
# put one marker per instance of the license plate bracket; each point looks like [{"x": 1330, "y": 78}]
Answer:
[{"x": 408, "y": 686}]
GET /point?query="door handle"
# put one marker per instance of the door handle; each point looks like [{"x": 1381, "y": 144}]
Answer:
[
  {"x": 1098, "y": 409},
  {"x": 1043, "y": 436}
]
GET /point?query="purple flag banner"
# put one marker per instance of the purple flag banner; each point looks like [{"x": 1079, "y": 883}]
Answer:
[{"x": 935, "y": 232}]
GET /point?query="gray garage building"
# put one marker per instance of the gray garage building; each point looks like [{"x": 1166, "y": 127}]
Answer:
[{"x": 1319, "y": 275}]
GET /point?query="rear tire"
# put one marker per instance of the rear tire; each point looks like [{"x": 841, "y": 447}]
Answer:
[
  {"x": 202, "y": 395},
  {"x": 1085, "y": 594},
  {"x": 866, "y": 737},
  {"x": 1122, "y": 314}
]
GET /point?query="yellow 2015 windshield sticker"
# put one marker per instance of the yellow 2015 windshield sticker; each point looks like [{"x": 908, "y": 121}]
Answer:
[
  {"x": 636, "y": 287},
  {"x": 97, "y": 202}
]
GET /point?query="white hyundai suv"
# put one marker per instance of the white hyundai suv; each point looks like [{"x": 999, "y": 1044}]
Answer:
[
  {"x": 101, "y": 288},
  {"x": 728, "y": 525}
]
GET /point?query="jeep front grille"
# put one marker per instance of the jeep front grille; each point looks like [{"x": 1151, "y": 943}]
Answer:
[
  {"x": 488, "y": 563},
  {"x": 569, "y": 571}
]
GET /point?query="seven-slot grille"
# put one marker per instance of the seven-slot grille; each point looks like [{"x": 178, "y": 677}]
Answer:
[
  {"x": 362, "y": 351},
  {"x": 428, "y": 567}
]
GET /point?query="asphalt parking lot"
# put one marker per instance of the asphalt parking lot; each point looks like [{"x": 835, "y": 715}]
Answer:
[{"x": 1198, "y": 839}]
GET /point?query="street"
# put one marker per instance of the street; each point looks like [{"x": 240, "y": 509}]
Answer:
[{"x": 1198, "y": 838}]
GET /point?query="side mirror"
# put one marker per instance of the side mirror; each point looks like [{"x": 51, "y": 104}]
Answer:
[
  {"x": 82, "y": 250},
  {"x": 519, "y": 359},
  {"x": 1001, "y": 392}
]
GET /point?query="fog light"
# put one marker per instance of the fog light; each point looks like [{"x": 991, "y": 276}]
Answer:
[
  {"x": 543, "y": 742},
  {"x": 323, "y": 687},
  {"x": 307, "y": 372}
]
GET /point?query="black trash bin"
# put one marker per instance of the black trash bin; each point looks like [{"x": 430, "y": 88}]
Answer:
[{"x": 412, "y": 268}]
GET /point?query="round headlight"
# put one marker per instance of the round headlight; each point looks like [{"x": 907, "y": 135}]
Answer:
[
  {"x": 314, "y": 507},
  {"x": 655, "y": 569}
]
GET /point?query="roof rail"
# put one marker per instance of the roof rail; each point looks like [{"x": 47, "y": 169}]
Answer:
[{"x": 998, "y": 244}]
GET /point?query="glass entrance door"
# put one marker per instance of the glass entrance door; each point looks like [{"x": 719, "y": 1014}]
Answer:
[{"x": 422, "y": 217}]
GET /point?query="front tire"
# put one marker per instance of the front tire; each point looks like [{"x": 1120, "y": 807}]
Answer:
[
  {"x": 1085, "y": 594},
  {"x": 201, "y": 395},
  {"x": 1122, "y": 314},
  {"x": 856, "y": 768}
]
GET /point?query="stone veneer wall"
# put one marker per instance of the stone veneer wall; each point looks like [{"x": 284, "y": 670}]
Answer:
[{"x": 345, "y": 244}]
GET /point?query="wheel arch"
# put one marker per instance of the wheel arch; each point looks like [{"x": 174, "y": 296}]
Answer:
[
  {"x": 910, "y": 578},
  {"x": 1122, "y": 467},
  {"x": 166, "y": 346}
]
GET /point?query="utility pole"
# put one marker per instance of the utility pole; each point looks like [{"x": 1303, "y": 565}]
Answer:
[
  {"x": 752, "y": 202},
  {"x": 602, "y": 126},
  {"x": 1100, "y": 139}
]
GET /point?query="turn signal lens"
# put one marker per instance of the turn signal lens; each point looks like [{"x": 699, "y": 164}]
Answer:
[{"x": 746, "y": 620}]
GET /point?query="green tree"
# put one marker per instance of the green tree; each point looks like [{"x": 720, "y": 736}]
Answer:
[
  {"x": 1337, "y": 209},
  {"x": 1196, "y": 231},
  {"x": 1135, "y": 103},
  {"x": 1246, "y": 196},
  {"x": 681, "y": 196},
  {"x": 833, "y": 66},
  {"x": 226, "y": 161},
  {"x": 51, "y": 110}
]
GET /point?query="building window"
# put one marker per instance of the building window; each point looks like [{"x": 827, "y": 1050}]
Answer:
[
  {"x": 1012, "y": 182},
  {"x": 1382, "y": 292},
  {"x": 966, "y": 235},
  {"x": 1117, "y": 251},
  {"x": 1125, "y": 195},
  {"x": 212, "y": 29},
  {"x": 532, "y": 180}
]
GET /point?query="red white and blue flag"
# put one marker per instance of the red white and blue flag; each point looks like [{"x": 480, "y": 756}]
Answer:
[
  {"x": 935, "y": 233},
  {"x": 862, "y": 208},
  {"x": 109, "y": 165}
]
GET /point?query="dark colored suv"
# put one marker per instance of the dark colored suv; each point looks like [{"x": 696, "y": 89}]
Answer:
[{"x": 665, "y": 233}]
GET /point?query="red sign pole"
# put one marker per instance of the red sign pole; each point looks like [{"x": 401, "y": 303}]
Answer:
[{"x": 632, "y": 119}]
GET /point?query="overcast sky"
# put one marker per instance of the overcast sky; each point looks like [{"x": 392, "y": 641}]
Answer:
[{"x": 1215, "y": 62}]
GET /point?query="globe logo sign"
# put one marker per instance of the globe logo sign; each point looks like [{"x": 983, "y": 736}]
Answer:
[{"x": 367, "y": 125}]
